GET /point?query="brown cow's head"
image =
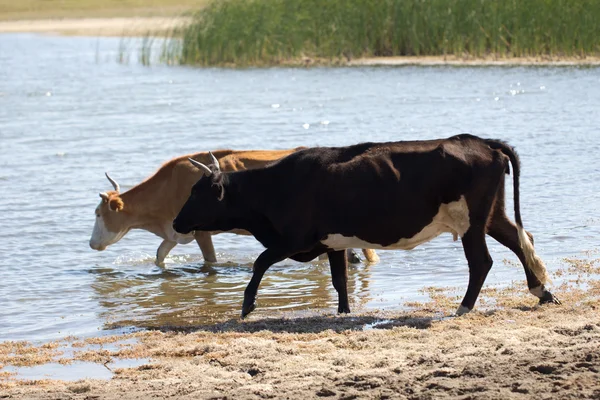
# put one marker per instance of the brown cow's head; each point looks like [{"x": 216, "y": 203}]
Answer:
[
  {"x": 206, "y": 207},
  {"x": 109, "y": 227}
]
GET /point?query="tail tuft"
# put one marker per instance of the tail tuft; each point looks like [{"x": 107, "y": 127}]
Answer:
[{"x": 535, "y": 264}]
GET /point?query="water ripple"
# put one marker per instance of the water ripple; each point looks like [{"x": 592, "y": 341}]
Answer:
[{"x": 65, "y": 119}]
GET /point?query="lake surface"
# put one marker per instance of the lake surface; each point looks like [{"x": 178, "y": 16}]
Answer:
[{"x": 69, "y": 112}]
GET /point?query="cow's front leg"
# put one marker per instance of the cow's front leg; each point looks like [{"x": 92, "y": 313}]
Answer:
[
  {"x": 204, "y": 240},
  {"x": 163, "y": 251},
  {"x": 339, "y": 276},
  {"x": 267, "y": 258}
]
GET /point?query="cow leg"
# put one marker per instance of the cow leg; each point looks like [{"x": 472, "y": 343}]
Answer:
[
  {"x": 480, "y": 204},
  {"x": 371, "y": 256},
  {"x": 204, "y": 240},
  {"x": 506, "y": 233},
  {"x": 339, "y": 276},
  {"x": 267, "y": 258},
  {"x": 339, "y": 273},
  {"x": 163, "y": 251},
  {"x": 480, "y": 264},
  {"x": 353, "y": 257}
]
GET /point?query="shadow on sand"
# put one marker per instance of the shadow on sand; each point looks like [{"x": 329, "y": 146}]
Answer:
[{"x": 313, "y": 324}]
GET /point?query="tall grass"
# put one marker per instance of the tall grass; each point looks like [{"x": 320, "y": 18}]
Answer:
[{"x": 254, "y": 32}]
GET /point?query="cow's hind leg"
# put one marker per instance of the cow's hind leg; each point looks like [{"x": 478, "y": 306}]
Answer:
[
  {"x": 371, "y": 256},
  {"x": 480, "y": 202},
  {"x": 339, "y": 277},
  {"x": 480, "y": 263},
  {"x": 507, "y": 234},
  {"x": 205, "y": 243}
]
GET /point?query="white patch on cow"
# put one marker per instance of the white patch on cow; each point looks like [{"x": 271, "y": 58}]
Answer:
[
  {"x": 174, "y": 236},
  {"x": 537, "y": 291},
  {"x": 462, "y": 310},
  {"x": 452, "y": 217},
  {"x": 102, "y": 237},
  {"x": 184, "y": 239}
]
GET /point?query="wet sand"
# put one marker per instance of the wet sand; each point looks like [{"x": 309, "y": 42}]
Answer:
[{"x": 510, "y": 349}]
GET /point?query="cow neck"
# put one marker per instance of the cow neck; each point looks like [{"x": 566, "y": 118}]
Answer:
[
  {"x": 248, "y": 188},
  {"x": 144, "y": 208}
]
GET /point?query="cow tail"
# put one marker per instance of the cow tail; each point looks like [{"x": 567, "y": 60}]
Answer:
[{"x": 534, "y": 263}]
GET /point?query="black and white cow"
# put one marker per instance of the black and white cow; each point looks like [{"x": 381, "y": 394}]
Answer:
[{"x": 393, "y": 195}]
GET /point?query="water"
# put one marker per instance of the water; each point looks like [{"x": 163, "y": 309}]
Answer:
[
  {"x": 57, "y": 368},
  {"x": 69, "y": 112}
]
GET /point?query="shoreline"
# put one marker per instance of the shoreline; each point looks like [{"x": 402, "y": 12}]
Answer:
[
  {"x": 117, "y": 26},
  {"x": 507, "y": 348},
  {"x": 510, "y": 354},
  {"x": 474, "y": 61},
  {"x": 160, "y": 26}
]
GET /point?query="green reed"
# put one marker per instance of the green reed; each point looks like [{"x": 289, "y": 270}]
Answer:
[{"x": 258, "y": 32}]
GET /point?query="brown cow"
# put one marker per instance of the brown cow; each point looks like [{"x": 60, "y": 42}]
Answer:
[{"x": 153, "y": 204}]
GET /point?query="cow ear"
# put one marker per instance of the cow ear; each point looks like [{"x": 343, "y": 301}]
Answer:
[{"x": 115, "y": 204}]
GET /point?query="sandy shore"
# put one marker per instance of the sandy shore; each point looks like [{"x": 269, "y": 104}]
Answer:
[
  {"x": 514, "y": 349},
  {"x": 466, "y": 61},
  {"x": 95, "y": 26},
  {"x": 552, "y": 352}
]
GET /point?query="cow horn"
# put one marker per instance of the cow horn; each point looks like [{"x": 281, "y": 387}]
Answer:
[
  {"x": 104, "y": 196},
  {"x": 201, "y": 166},
  {"x": 215, "y": 161},
  {"x": 114, "y": 183}
]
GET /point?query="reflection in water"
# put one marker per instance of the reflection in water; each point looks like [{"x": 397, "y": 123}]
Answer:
[{"x": 204, "y": 293}]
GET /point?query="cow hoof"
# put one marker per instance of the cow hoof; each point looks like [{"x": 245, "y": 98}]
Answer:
[
  {"x": 353, "y": 257},
  {"x": 462, "y": 310},
  {"x": 343, "y": 310},
  {"x": 549, "y": 298},
  {"x": 247, "y": 309}
]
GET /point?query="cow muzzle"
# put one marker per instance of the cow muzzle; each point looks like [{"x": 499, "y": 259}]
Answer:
[{"x": 97, "y": 246}]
